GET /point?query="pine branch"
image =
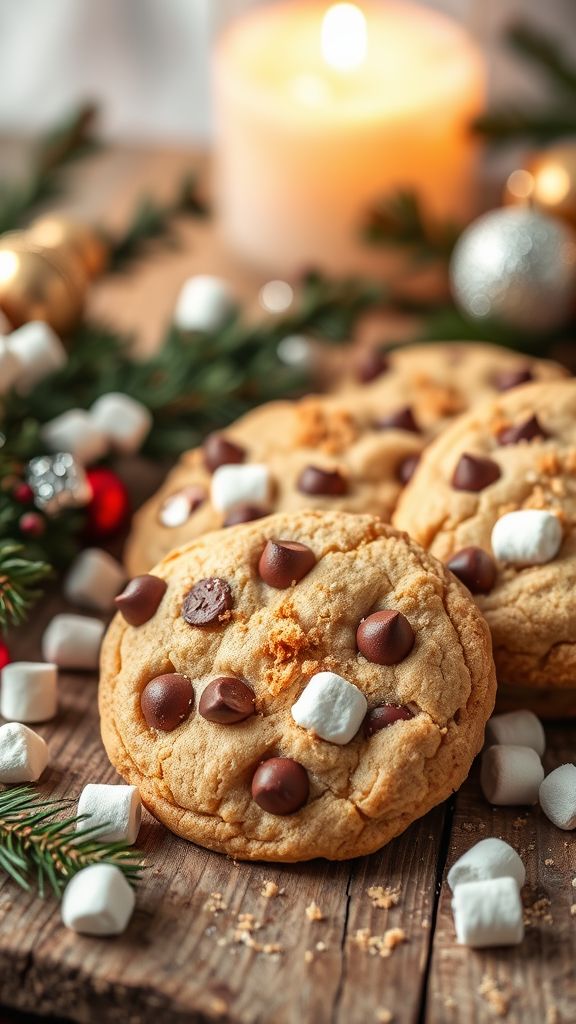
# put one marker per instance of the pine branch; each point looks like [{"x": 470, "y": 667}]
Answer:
[
  {"x": 153, "y": 221},
  {"x": 36, "y": 847},
  {"x": 399, "y": 221},
  {"x": 68, "y": 141},
  {"x": 19, "y": 579},
  {"x": 542, "y": 50}
]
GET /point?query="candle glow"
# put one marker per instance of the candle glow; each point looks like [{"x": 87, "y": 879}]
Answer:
[{"x": 344, "y": 37}]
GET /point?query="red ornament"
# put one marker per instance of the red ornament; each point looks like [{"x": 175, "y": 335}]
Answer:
[
  {"x": 23, "y": 493},
  {"x": 109, "y": 508},
  {"x": 32, "y": 524},
  {"x": 4, "y": 655}
]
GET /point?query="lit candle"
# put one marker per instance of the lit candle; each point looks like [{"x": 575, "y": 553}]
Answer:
[{"x": 321, "y": 110}]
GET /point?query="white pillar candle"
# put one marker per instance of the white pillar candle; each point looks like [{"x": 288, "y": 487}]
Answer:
[{"x": 323, "y": 109}]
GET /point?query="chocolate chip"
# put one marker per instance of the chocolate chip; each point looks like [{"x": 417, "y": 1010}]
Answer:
[
  {"x": 284, "y": 562},
  {"x": 407, "y": 468},
  {"x": 512, "y": 378},
  {"x": 384, "y": 715},
  {"x": 280, "y": 785},
  {"x": 219, "y": 451},
  {"x": 207, "y": 601},
  {"x": 314, "y": 480},
  {"x": 474, "y": 473},
  {"x": 244, "y": 514},
  {"x": 385, "y": 637},
  {"x": 139, "y": 600},
  {"x": 402, "y": 419},
  {"x": 525, "y": 431},
  {"x": 475, "y": 568},
  {"x": 178, "y": 508},
  {"x": 226, "y": 700},
  {"x": 371, "y": 365},
  {"x": 166, "y": 701}
]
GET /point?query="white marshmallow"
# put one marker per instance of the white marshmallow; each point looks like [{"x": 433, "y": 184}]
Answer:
[
  {"x": 488, "y": 913},
  {"x": 527, "y": 537},
  {"x": 511, "y": 775},
  {"x": 117, "y": 807},
  {"x": 39, "y": 351},
  {"x": 125, "y": 421},
  {"x": 29, "y": 691},
  {"x": 516, "y": 728},
  {"x": 10, "y": 367},
  {"x": 94, "y": 580},
  {"x": 73, "y": 641},
  {"x": 557, "y": 796},
  {"x": 234, "y": 484},
  {"x": 203, "y": 304},
  {"x": 331, "y": 706},
  {"x": 23, "y": 753},
  {"x": 98, "y": 901},
  {"x": 75, "y": 432},
  {"x": 490, "y": 858}
]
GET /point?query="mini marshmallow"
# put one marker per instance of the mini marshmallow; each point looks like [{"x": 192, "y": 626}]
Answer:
[
  {"x": 23, "y": 753},
  {"x": 10, "y": 367},
  {"x": 511, "y": 775},
  {"x": 73, "y": 641},
  {"x": 39, "y": 351},
  {"x": 94, "y": 580},
  {"x": 488, "y": 913},
  {"x": 490, "y": 858},
  {"x": 75, "y": 432},
  {"x": 204, "y": 304},
  {"x": 332, "y": 707},
  {"x": 557, "y": 796},
  {"x": 232, "y": 485},
  {"x": 117, "y": 807},
  {"x": 29, "y": 691},
  {"x": 98, "y": 901},
  {"x": 527, "y": 537},
  {"x": 518, "y": 729},
  {"x": 125, "y": 421}
]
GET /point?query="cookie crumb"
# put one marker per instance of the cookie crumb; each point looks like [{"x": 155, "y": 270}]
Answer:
[
  {"x": 218, "y": 1007},
  {"x": 497, "y": 1000},
  {"x": 313, "y": 912},
  {"x": 215, "y": 903},
  {"x": 552, "y": 1015},
  {"x": 383, "y": 897},
  {"x": 383, "y": 1016},
  {"x": 538, "y": 911},
  {"x": 321, "y": 947},
  {"x": 379, "y": 945},
  {"x": 269, "y": 890},
  {"x": 519, "y": 822},
  {"x": 308, "y": 956},
  {"x": 549, "y": 862}
]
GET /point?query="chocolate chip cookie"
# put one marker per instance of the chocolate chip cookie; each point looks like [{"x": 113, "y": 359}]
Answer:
[
  {"x": 495, "y": 499},
  {"x": 304, "y": 685}
]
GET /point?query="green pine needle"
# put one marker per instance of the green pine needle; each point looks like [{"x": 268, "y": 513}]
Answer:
[
  {"x": 37, "y": 848},
  {"x": 399, "y": 220},
  {"x": 19, "y": 579}
]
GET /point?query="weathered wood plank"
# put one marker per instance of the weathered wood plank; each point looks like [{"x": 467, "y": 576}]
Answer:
[{"x": 535, "y": 981}]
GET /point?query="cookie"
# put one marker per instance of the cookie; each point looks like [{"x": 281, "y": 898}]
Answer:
[
  {"x": 495, "y": 499},
  {"x": 307, "y": 686},
  {"x": 440, "y": 381},
  {"x": 316, "y": 453}
]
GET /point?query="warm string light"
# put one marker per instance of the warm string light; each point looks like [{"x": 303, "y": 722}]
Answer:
[{"x": 344, "y": 37}]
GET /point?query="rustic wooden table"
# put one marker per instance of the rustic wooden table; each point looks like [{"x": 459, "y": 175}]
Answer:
[{"x": 187, "y": 954}]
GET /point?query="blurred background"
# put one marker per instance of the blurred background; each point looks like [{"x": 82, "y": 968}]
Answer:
[{"x": 147, "y": 61}]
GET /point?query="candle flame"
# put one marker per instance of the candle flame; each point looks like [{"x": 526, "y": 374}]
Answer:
[{"x": 344, "y": 36}]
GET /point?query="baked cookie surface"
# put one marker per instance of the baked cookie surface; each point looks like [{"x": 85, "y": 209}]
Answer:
[
  {"x": 249, "y": 645},
  {"x": 517, "y": 452}
]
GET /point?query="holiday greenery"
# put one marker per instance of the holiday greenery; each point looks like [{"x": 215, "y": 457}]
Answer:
[{"x": 37, "y": 847}]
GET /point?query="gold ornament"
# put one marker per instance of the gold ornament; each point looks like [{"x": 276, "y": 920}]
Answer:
[
  {"x": 548, "y": 182},
  {"x": 34, "y": 285},
  {"x": 71, "y": 240}
]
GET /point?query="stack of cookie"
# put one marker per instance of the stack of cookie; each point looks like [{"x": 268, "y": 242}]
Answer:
[{"x": 307, "y": 680}]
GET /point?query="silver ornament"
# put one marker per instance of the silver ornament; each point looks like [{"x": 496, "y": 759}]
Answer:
[
  {"x": 518, "y": 266},
  {"x": 57, "y": 482}
]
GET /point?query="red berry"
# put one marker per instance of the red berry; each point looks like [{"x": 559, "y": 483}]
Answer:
[
  {"x": 32, "y": 524},
  {"x": 23, "y": 493}
]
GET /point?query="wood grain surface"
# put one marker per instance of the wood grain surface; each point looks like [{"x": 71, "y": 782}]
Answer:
[{"x": 184, "y": 960}]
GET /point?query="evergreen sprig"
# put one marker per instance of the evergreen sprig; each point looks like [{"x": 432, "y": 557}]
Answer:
[
  {"x": 399, "y": 221},
  {"x": 513, "y": 121},
  {"x": 39, "y": 848},
  {"x": 69, "y": 140},
  {"x": 19, "y": 582}
]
